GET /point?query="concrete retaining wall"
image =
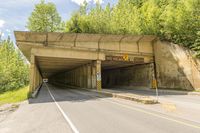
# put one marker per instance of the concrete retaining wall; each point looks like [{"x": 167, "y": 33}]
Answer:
[{"x": 176, "y": 67}]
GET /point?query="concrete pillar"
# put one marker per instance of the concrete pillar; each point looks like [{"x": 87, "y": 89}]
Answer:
[
  {"x": 81, "y": 77},
  {"x": 35, "y": 76},
  {"x": 89, "y": 76},
  {"x": 96, "y": 75},
  {"x": 32, "y": 74},
  {"x": 93, "y": 68},
  {"x": 84, "y": 76}
]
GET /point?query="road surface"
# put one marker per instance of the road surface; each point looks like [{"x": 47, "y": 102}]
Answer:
[{"x": 78, "y": 111}]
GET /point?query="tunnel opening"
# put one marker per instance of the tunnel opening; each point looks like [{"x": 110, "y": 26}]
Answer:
[
  {"x": 93, "y": 74},
  {"x": 81, "y": 73},
  {"x": 129, "y": 75},
  {"x": 64, "y": 71}
]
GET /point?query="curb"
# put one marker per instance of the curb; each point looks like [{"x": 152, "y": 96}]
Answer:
[
  {"x": 136, "y": 98},
  {"x": 166, "y": 91},
  {"x": 181, "y": 92},
  {"x": 194, "y": 93},
  {"x": 35, "y": 93}
]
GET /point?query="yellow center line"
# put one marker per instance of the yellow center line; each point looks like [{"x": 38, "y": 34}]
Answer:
[
  {"x": 146, "y": 112},
  {"x": 153, "y": 114}
]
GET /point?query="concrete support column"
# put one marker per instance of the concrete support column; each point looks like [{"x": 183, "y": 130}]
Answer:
[
  {"x": 89, "y": 76},
  {"x": 93, "y": 69},
  {"x": 32, "y": 74},
  {"x": 35, "y": 76},
  {"x": 84, "y": 76},
  {"x": 96, "y": 75},
  {"x": 81, "y": 77}
]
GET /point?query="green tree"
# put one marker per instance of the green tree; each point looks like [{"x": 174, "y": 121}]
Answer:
[
  {"x": 45, "y": 18},
  {"x": 13, "y": 69},
  {"x": 196, "y": 46},
  {"x": 73, "y": 24},
  {"x": 179, "y": 21}
]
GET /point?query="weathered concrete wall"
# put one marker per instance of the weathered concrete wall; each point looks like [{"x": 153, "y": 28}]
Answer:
[
  {"x": 76, "y": 77},
  {"x": 83, "y": 76},
  {"x": 176, "y": 68},
  {"x": 138, "y": 75}
]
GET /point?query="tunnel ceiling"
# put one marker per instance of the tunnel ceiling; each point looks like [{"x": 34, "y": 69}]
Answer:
[{"x": 50, "y": 66}]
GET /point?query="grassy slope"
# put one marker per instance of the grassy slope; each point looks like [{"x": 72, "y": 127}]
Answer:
[{"x": 14, "y": 96}]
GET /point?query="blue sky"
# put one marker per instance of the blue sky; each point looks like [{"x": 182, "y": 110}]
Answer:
[{"x": 14, "y": 13}]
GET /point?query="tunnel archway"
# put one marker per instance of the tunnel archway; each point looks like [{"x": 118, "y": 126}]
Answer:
[{"x": 86, "y": 60}]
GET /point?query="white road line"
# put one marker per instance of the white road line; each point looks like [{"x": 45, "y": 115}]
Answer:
[{"x": 74, "y": 129}]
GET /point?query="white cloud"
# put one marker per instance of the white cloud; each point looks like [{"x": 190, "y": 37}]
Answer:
[
  {"x": 79, "y": 2},
  {"x": 2, "y": 34},
  {"x": 8, "y": 30},
  {"x": 2, "y": 22}
]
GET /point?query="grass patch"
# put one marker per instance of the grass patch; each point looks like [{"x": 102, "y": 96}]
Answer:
[{"x": 14, "y": 96}]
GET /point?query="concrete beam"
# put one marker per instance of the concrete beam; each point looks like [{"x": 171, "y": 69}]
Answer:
[{"x": 67, "y": 53}]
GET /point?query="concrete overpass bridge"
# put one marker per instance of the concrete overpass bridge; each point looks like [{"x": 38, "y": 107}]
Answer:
[
  {"x": 98, "y": 60},
  {"x": 82, "y": 60}
]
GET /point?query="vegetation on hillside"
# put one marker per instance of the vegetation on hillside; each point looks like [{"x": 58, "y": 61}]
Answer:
[
  {"x": 13, "y": 68},
  {"x": 177, "y": 21}
]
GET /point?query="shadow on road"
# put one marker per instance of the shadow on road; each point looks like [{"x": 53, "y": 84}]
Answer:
[
  {"x": 64, "y": 94},
  {"x": 79, "y": 95}
]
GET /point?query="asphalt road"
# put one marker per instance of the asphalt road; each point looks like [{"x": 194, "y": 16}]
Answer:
[{"x": 68, "y": 110}]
